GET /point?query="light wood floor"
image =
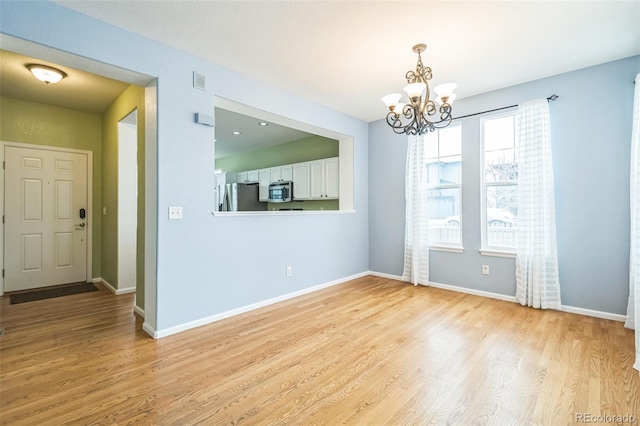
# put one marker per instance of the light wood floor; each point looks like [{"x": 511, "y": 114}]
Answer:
[{"x": 371, "y": 351}]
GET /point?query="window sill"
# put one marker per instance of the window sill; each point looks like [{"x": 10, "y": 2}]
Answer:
[
  {"x": 283, "y": 213},
  {"x": 498, "y": 253},
  {"x": 447, "y": 249}
]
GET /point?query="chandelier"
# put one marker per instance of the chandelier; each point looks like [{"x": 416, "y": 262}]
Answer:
[{"x": 414, "y": 118}]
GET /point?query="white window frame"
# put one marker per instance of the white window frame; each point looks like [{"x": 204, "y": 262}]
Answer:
[
  {"x": 486, "y": 249},
  {"x": 443, "y": 246}
]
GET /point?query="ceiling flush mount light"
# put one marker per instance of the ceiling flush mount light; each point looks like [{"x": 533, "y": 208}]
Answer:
[
  {"x": 414, "y": 118},
  {"x": 236, "y": 133},
  {"x": 263, "y": 123},
  {"x": 46, "y": 74}
]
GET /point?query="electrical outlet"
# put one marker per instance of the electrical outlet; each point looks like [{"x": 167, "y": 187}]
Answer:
[
  {"x": 175, "y": 213},
  {"x": 289, "y": 271},
  {"x": 485, "y": 269}
]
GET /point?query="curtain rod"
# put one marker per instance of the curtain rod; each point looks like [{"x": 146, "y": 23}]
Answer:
[{"x": 550, "y": 98}]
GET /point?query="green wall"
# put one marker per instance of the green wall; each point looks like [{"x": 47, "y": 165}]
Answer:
[
  {"x": 130, "y": 99},
  {"x": 308, "y": 149},
  {"x": 39, "y": 124}
]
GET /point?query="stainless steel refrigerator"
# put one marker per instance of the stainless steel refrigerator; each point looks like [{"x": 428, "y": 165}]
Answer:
[{"x": 242, "y": 197}]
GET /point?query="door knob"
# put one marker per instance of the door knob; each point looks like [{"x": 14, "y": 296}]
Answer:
[{"x": 81, "y": 225}]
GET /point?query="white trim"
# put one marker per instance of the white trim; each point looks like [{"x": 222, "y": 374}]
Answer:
[
  {"x": 138, "y": 310},
  {"x": 282, "y": 213},
  {"x": 89, "y": 154},
  {"x": 149, "y": 330},
  {"x": 112, "y": 289},
  {"x": 497, "y": 253},
  {"x": 507, "y": 298},
  {"x": 481, "y": 293},
  {"x": 158, "y": 334},
  {"x": 592, "y": 313},
  {"x": 389, "y": 276},
  {"x": 447, "y": 249}
]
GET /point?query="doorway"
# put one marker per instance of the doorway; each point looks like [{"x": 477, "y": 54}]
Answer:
[
  {"x": 127, "y": 200},
  {"x": 147, "y": 155}
]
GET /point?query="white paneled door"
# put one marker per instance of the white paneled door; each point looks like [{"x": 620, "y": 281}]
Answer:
[{"x": 45, "y": 235}]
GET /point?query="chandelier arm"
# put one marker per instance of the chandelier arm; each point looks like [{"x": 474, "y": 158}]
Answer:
[
  {"x": 411, "y": 77},
  {"x": 429, "y": 108}
]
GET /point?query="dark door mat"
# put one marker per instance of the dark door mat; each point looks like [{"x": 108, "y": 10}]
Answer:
[{"x": 51, "y": 292}]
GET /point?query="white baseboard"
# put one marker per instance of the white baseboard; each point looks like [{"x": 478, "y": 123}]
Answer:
[
  {"x": 474, "y": 292},
  {"x": 138, "y": 310},
  {"x": 112, "y": 289},
  {"x": 595, "y": 314},
  {"x": 383, "y": 275},
  {"x": 158, "y": 334},
  {"x": 507, "y": 298},
  {"x": 149, "y": 330}
]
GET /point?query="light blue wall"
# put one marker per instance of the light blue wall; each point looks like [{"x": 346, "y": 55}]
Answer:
[
  {"x": 209, "y": 265},
  {"x": 591, "y": 137}
]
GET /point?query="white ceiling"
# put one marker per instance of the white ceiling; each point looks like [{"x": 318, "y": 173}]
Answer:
[
  {"x": 252, "y": 136},
  {"x": 348, "y": 54}
]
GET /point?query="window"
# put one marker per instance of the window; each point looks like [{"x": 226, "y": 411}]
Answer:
[
  {"x": 500, "y": 183},
  {"x": 443, "y": 154}
]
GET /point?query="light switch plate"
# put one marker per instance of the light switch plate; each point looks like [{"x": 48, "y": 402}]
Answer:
[{"x": 175, "y": 213}]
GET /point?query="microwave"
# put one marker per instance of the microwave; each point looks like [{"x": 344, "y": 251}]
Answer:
[{"x": 281, "y": 192}]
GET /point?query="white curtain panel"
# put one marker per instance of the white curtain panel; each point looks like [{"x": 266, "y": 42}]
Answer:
[
  {"x": 416, "y": 234},
  {"x": 633, "y": 308},
  {"x": 537, "y": 281}
]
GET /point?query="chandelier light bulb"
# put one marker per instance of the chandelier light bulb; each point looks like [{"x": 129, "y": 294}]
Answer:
[
  {"x": 445, "y": 90},
  {"x": 46, "y": 74},
  {"x": 391, "y": 100},
  {"x": 446, "y": 99},
  {"x": 415, "y": 91}
]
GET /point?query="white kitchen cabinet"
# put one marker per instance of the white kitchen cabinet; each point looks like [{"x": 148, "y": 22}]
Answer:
[
  {"x": 264, "y": 179},
  {"x": 332, "y": 178},
  {"x": 250, "y": 176},
  {"x": 253, "y": 176},
  {"x": 300, "y": 179},
  {"x": 324, "y": 179},
  {"x": 316, "y": 179},
  {"x": 286, "y": 173},
  {"x": 282, "y": 173},
  {"x": 312, "y": 180}
]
